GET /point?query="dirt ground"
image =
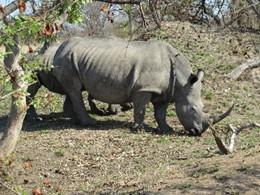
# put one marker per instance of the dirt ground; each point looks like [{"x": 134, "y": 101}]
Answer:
[{"x": 53, "y": 156}]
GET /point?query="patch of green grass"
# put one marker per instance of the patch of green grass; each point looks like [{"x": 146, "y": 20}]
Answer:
[
  {"x": 20, "y": 190},
  {"x": 182, "y": 186},
  {"x": 189, "y": 140},
  {"x": 246, "y": 169},
  {"x": 44, "y": 131},
  {"x": 221, "y": 178},
  {"x": 209, "y": 141},
  {"x": 171, "y": 113},
  {"x": 59, "y": 153},
  {"x": 163, "y": 140},
  {"x": 204, "y": 171},
  {"x": 251, "y": 140},
  {"x": 149, "y": 108},
  {"x": 208, "y": 95},
  {"x": 225, "y": 67}
]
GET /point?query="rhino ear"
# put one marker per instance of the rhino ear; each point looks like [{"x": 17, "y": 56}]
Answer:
[
  {"x": 200, "y": 74},
  {"x": 195, "y": 78}
]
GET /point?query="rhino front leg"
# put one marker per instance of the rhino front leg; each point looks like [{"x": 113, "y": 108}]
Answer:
[
  {"x": 79, "y": 108},
  {"x": 140, "y": 100},
  {"x": 32, "y": 90},
  {"x": 160, "y": 110}
]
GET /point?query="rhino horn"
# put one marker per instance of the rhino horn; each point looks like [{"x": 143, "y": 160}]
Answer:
[{"x": 216, "y": 118}]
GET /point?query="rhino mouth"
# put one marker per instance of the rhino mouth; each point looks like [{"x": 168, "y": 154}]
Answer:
[
  {"x": 209, "y": 120},
  {"x": 194, "y": 132}
]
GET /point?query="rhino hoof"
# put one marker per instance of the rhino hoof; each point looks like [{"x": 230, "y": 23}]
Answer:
[
  {"x": 86, "y": 122},
  {"x": 31, "y": 113},
  {"x": 165, "y": 130},
  {"x": 137, "y": 128}
]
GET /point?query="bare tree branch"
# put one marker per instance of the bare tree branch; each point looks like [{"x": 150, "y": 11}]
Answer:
[
  {"x": 10, "y": 8},
  {"x": 239, "y": 12},
  {"x": 254, "y": 8}
]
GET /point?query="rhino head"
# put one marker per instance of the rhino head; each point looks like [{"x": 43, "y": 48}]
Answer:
[{"x": 189, "y": 107}]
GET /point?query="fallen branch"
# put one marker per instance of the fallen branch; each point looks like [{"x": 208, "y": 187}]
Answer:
[
  {"x": 252, "y": 63},
  {"x": 228, "y": 149}
]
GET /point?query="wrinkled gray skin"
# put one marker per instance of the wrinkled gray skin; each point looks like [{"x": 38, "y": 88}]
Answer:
[
  {"x": 47, "y": 79},
  {"x": 118, "y": 72}
]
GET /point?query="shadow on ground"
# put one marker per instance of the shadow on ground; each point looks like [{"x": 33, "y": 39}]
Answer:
[{"x": 57, "y": 121}]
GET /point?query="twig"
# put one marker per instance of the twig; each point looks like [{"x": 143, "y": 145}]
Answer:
[
  {"x": 15, "y": 91},
  {"x": 142, "y": 15},
  {"x": 8, "y": 188},
  {"x": 254, "y": 8},
  {"x": 239, "y": 12},
  {"x": 246, "y": 126}
]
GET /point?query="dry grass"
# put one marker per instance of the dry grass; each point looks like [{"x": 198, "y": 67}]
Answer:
[{"x": 60, "y": 158}]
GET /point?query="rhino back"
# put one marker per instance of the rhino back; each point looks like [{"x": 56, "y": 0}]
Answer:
[
  {"x": 113, "y": 70},
  {"x": 49, "y": 54}
]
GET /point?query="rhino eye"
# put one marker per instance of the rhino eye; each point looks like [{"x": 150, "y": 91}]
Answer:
[{"x": 193, "y": 110}]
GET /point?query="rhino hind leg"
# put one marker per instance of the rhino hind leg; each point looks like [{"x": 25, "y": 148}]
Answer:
[
  {"x": 67, "y": 107},
  {"x": 111, "y": 110},
  {"x": 94, "y": 109},
  {"x": 126, "y": 106},
  {"x": 140, "y": 101},
  {"x": 114, "y": 108},
  {"x": 160, "y": 110}
]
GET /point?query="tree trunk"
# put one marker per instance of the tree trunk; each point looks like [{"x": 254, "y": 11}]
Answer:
[{"x": 18, "y": 107}]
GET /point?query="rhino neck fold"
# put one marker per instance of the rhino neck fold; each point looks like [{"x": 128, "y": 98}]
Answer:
[{"x": 172, "y": 84}]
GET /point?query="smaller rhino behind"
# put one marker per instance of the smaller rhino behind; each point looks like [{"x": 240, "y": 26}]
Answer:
[{"x": 46, "y": 78}]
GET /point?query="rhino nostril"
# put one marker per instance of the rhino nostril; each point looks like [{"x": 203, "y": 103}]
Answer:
[{"x": 195, "y": 132}]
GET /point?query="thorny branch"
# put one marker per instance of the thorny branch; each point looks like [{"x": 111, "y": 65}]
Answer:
[
  {"x": 239, "y": 12},
  {"x": 8, "y": 188}
]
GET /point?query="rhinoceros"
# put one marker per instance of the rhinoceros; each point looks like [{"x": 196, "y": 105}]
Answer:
[
  {"x": 46, "y": 78},
  {"x": 116, "y": 71}
]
